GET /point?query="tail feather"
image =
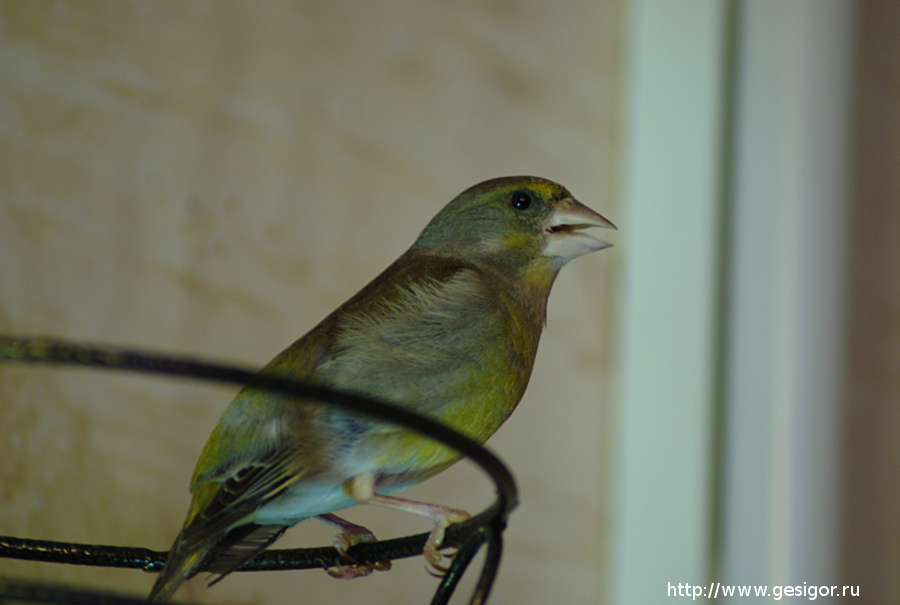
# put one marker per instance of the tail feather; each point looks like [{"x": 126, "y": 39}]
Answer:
[
  {"x": 219, "y": 557},
  {"x": 250, "y": 540},
  {"x": 179, "y": 567}
]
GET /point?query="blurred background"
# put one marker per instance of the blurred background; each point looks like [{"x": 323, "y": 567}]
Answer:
[{"x": 715, "y": 398}]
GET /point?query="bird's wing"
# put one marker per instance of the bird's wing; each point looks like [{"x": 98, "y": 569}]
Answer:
[
  {"x": 222, "y": 502},
  {"x": 214, "y": 536}
]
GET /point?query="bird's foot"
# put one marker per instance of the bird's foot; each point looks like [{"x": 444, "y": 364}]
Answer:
[
  {"x": 350, "y": 535},
  {"x": 443, "y": 518},
  {"x": 362, "y": 489}
]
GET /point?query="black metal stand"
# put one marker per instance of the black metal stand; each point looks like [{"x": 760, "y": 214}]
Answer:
[{"x": 468, "y": 537}]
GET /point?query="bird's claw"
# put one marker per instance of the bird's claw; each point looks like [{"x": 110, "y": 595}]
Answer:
[
  {"x": 351, "y": 535},
  {"x": 357, "y": 570},
  {"x": 431, "y": 552},
  {"x": 434, "y": 567}
]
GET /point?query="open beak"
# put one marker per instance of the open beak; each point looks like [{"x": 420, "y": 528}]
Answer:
[{"x": 564, "y": 231}]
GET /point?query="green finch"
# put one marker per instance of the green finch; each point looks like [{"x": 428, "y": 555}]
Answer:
[{"x": 449, "y": 330}]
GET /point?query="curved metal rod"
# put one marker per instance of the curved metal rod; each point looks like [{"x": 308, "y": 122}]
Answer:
[
  {"x": 469, "y": 535},
  {"x": 489, "y": 534},
  {"x": 126, "y": 557},
  {"x": 494, "y": 539}
]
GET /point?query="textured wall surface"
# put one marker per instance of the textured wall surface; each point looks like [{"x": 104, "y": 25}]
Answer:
[{"x": 213, "y": 178}]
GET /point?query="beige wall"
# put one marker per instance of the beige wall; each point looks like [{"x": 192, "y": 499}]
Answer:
[{"x": 212, "y": 178}]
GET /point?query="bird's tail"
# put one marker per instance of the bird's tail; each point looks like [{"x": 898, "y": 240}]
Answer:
[
  {"x": 218, "y": 555},
  {"x": 180, "y": 566}
]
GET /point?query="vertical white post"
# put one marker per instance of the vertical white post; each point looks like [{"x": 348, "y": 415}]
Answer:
[
  {"x": 670, "y": 239},
  {"x": 786, "y": 273}
]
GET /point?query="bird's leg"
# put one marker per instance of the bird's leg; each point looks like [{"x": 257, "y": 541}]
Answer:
[
  {"x": 351, "y": 534},
  {"x": 362, "y": 489},
  {"x": 443, "y": 516}
]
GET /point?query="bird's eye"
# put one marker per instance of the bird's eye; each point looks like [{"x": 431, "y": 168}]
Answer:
[{"x": 520, "y": 200}]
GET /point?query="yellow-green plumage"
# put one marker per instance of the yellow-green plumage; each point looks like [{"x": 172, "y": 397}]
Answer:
[{"x": 449, "y": 330}]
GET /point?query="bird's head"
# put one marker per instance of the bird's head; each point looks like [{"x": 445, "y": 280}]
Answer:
[{"x": 514, "y": 221}]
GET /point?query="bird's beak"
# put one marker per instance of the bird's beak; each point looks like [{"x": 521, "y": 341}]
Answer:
[{"x": 564, "y": 235}]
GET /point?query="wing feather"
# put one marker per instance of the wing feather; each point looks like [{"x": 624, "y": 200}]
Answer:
[{"x": 219, "y": 536}]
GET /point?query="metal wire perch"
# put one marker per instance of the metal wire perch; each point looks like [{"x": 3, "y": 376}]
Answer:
[{"x": 486, "y": 528}]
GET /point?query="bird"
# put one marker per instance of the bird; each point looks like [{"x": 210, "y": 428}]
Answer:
[{"x": 449, "y": 330}]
